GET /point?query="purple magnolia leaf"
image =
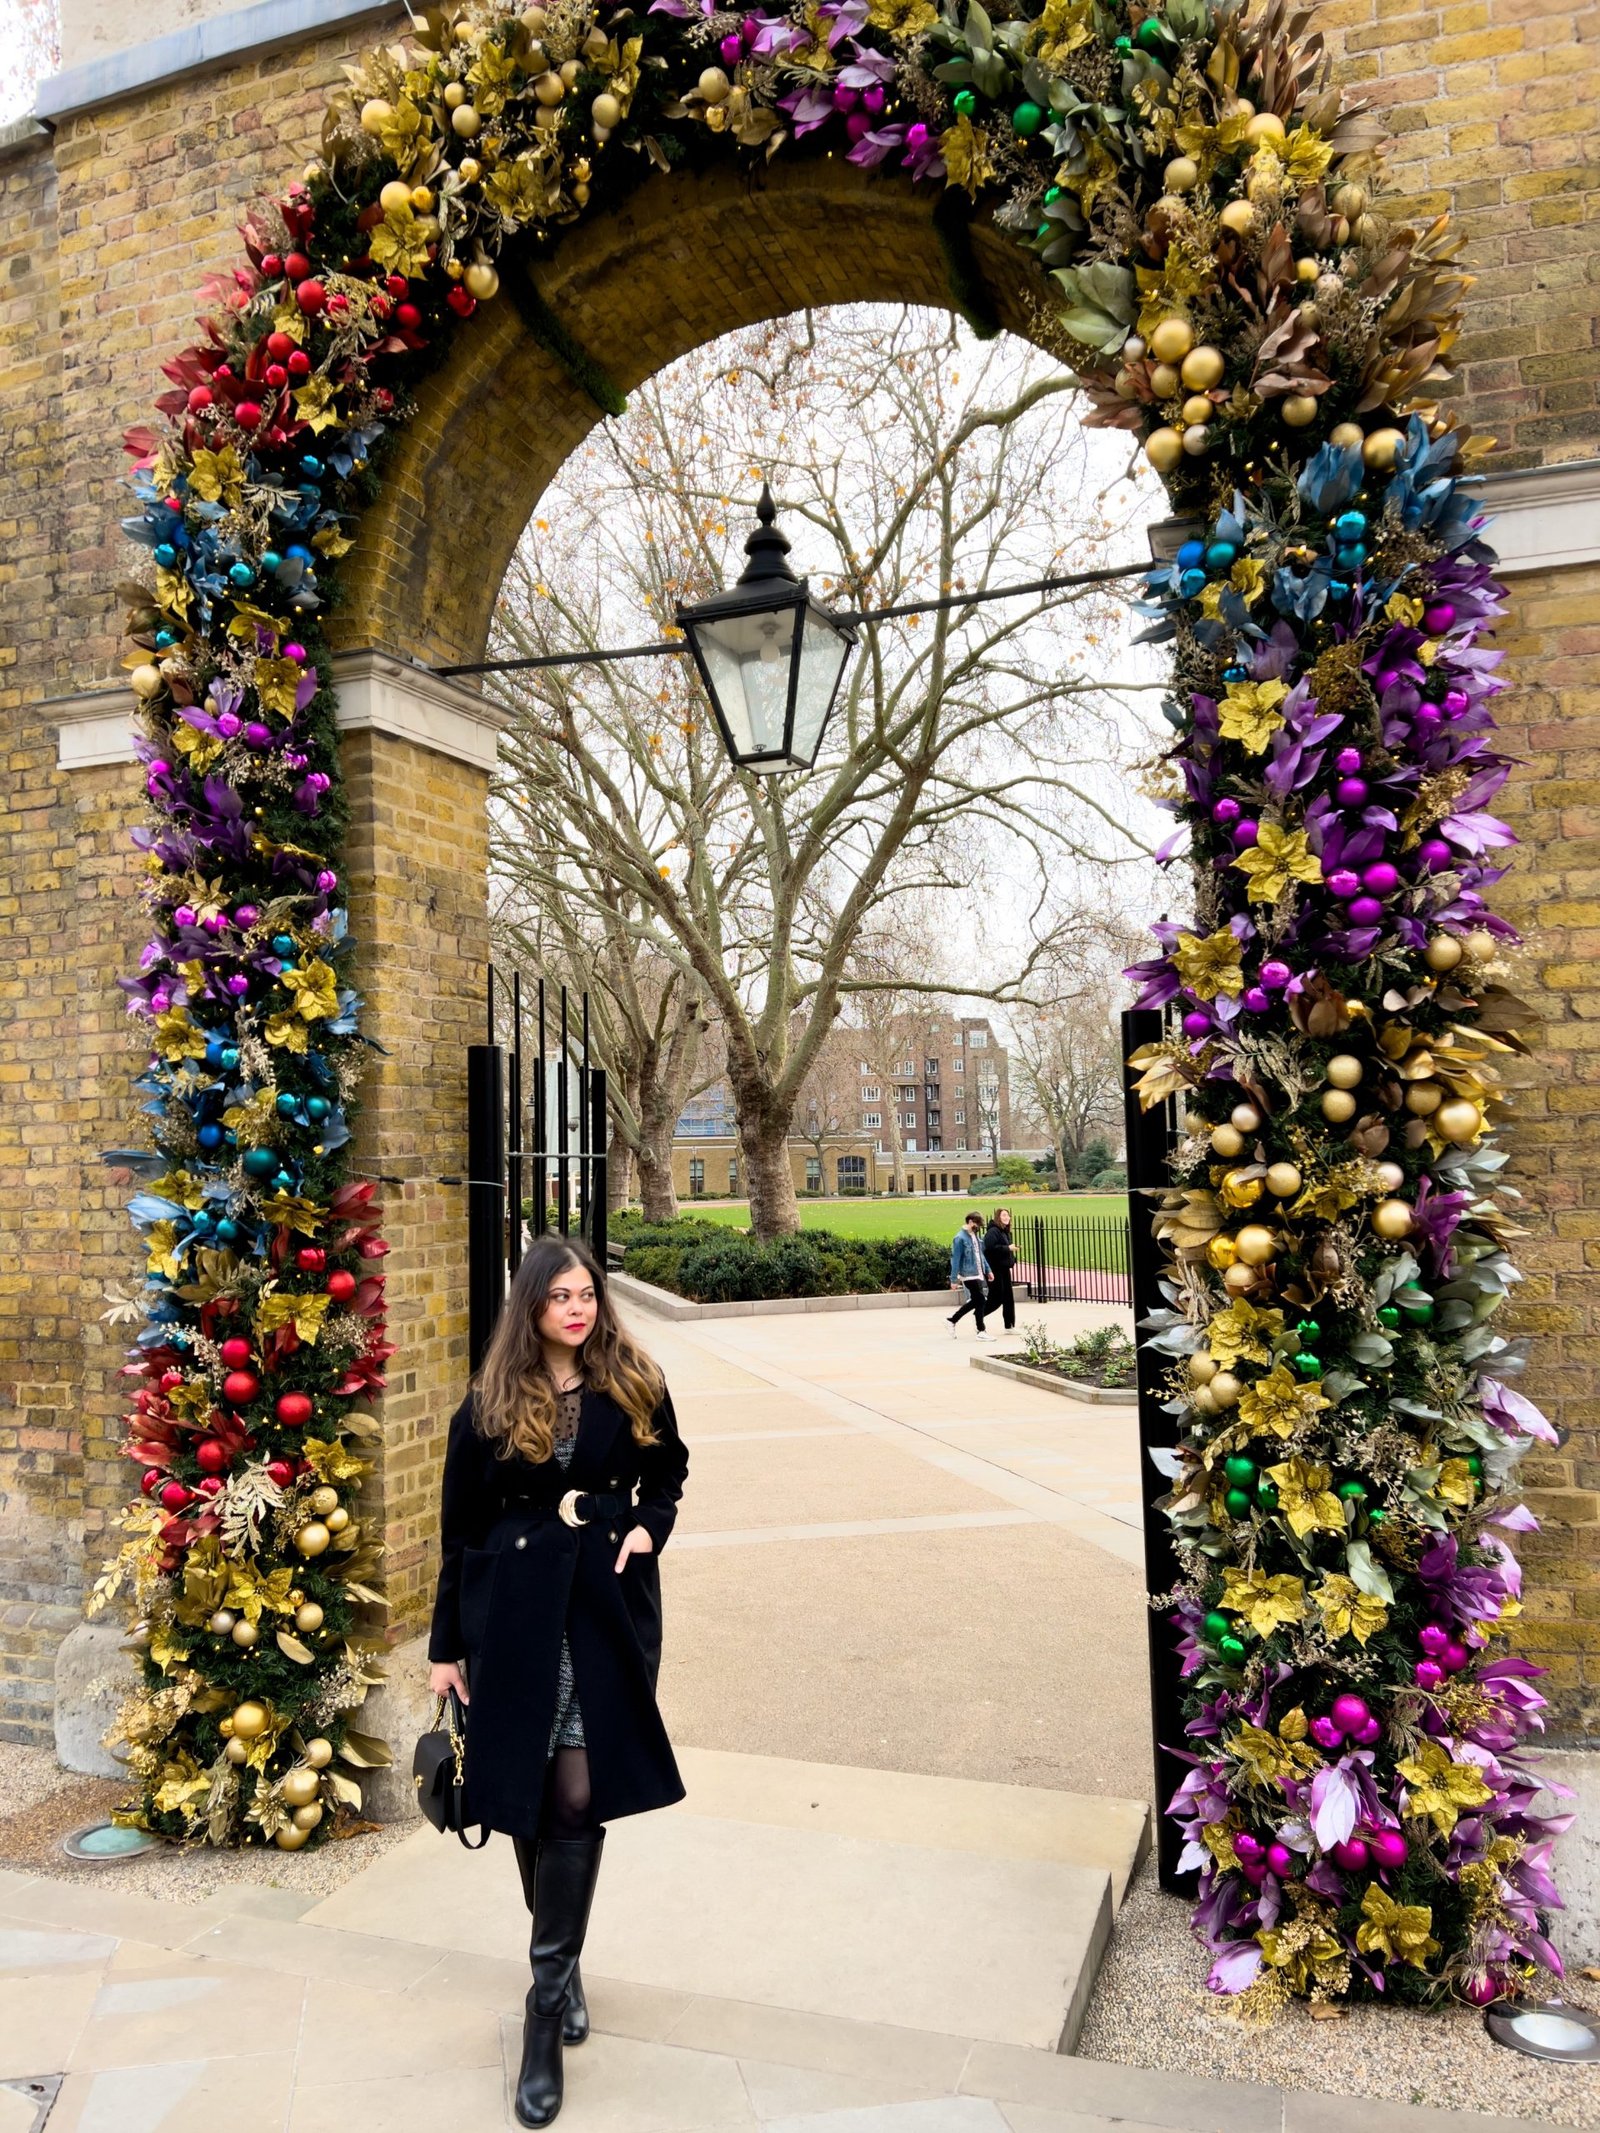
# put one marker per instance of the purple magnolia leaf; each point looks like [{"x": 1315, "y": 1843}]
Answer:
[
  {"x": 1513, "y": 1412},
  {"x": 1236, "y": 1968},
  {"x": 808, "y": 107},
  {"x": 875, "y": 147},
  {"x": 1335, "y": 1804}
]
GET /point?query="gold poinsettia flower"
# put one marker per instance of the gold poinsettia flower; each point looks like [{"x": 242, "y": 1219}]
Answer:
[
  {"x": 275, "y": 682},
  {"x": 217, "y": 477},
  {"x": 1439, "y": 1788},
  {"x": 1304, "y": 1497},
  {"x": 966, "y": 156},
  {"x": 1266, "y": 1603},
  {"x": 1061, "y": 28},
  {"x": 1268, "y": 1757},
  {"x": 1249, "y": 713},
  {"x": 176, "y": 1036},
  {"x": 1346, "y": 1610},
  {"x": 519, "y": 190},
  {"x": 315, "y": 989},
  {"x": 1455, "y": 1484},
  {"x": 1399, "y": 1932},
  {"x": 289, "y": 1307},
  {"x": 286, "y": 1031},
  {"x": 909, "y": 18},
  {"x": 174, "y": 593},
  {"x": 202, "y": 749},
  {"x": 1241, "y": 1333},
  {"x": 403, "y": 133},
  {"x": 1308, "y": 1953},
  {"x": 1401, "y": 607},
  {"x": 1248, "y": 578},
  {"x": 399, "y": 244},
  {"x": 161, "y": 1249},
  {"x": 1209, "y": 966},
  {"x": 1305, "y": 156},
  {"x": 1277, "y": 1404},
  {"x": 1275, "y": 862}
]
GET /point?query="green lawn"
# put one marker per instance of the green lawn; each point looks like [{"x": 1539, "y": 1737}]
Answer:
[{"x": 917, "y": 1214}]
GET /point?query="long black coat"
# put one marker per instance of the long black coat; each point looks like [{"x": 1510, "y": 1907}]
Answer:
[{"x": 513, "y": 1576}]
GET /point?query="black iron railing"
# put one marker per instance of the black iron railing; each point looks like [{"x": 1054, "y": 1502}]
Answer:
[{"x": 1067, "y": 1261}]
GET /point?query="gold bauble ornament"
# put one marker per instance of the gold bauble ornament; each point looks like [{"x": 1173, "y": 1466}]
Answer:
[
  {"x": 1256, "y": 1244},
  {"x": 1443, "y": 952},
  {"x": 535, "y": 20},
  {"x": 1265, "y": 126},
  {"x": 466, "y": 122},
  {"x": 471, "y": 170},
  {"x": 290, "y": 1839},
  {"x": 1299, "y": 410},
  {"x": 1283, "y": 1180},
  {"x": 1457, "y": 1121},
  {"x": 237, "y": 1751},
  {"x": 1181, "y": 175},
  {"x": 1198, "y": 409},
  {"x": 606, "y": 111},
  {"x": 1227, "y": 1141},
  {"x": 300, "y": 1787},
  {"x": 296, "y": 1596},
  {"x": 580, "y": 194},
  {"x": 1225, "y": 1389},
  {"x": 1164, "y": 449},
  {"x": 1222, "y": 1252},
  {"x": 146, "y": 680},
  {"x": 307, "y": 1818},
  {"x": 455, "y": 95},
  {"x": 1390, "y": 1176},
  {"x": 422, "y": 200},
  {"x": 1238, "y": 216},
  {"x": 1306, "y": 269},
  {"x": 1350, "y": 201},
  {"x": 569, "y": 71},
  {"x": 337, "y": 1519},
  {"x": 1171, "y": 340},
  {"x": 395, "y": 199},
  {"x": 319, "y": 1752},
  {"x": 1246, "y": 1117},
  {"x": 483, "y": 281},
  {"x": 1164, "y": 380},
  {"x": 1344, "y": 1070},
  {"x": 1481, "y": 944},
  {"x": 225, "y": 1727},
  {"x": 1125, "y": 385},
  {"x": 714, "y": 85},
  {"x": 324, "y": 1500},
  {"x": 244, "y": 1634},
  {"x": 1196, "y": 439},
  {"x": 596, "y": 44},
  {"x": 312, "y": 1538},
  {"x": 1202, "y": 1369},
  {"x": 308, "y": 1618},
  {"x": 251, "y": 1720},
  {"x": 1202, "y": 368},
  {"x": 1239, "y": 1278},
  {"x": 1382, "y": 449},
  {"x": 549, "y": 88},
  {"x": 222, "y": 1621},
  {"x": 376, "y": 113},
  {"x": 1338, "y": 1106},
  {"x": 1392, "y": 1220},
  {"x": 1423, "y": 1098},
  {"x": 1201, "y": 1400},
  {"x": 1366, "y": 229},
  {"x": 1346, "y": 434}
]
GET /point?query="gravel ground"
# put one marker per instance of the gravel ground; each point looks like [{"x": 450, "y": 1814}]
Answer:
[
  {"x": 45, "y": 1803},
  {"x": 1151, "y": 2009}
]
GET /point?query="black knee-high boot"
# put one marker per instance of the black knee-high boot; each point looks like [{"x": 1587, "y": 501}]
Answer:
[
  {"x": 565, "y": 1873},
  {"x": 575, "y": 2021}
]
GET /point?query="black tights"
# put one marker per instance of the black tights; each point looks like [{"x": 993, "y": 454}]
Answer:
[{"x": 565, "y": 1812}]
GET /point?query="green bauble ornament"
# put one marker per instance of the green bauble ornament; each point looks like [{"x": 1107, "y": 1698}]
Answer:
[
  {"x": 1124, "y": 44},
  {"x": 1052, "y": 193},
  {"x": 1026, "y": 121},
  {"x": 1267, "y": 1494},
  {"x": 1353, "y": 1491},
  {"x": 966, "y": 103},
  {"x": 1216, "y": 1626},
  {"x": 1308, "y": 1329},
  {"x": 1150, "y": 34},
  {"x": 1376, "y": 1514},
  {"x": 1236, "y": 1503},
  {"x": 1388, "y": 1316},
  {"x": 1232, "y": 1650},
  {"x": 1240, "y": 1469},
  {"x": 1309, "y": 1366},
  {"x": 1475, "y": 1466},
  {"x": 1414, "y": 1304}
]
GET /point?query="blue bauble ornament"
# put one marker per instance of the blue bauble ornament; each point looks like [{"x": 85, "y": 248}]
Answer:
[
  {"x": 1350, "y": 525},
  {"x": 271, "y": 560},
  {"x": 241, "y": 574},
  {"x": 317, "y": 1108},
  {"x": 1192, "y": 583},
  {"x": 1221, "y": 555},
  {"x": 165, "y": 554},
  {"x": 1236, "y": 673},
  {"x": 210, "y": 1136},
  {"x": 227, "y": 1230},
  {"x": 214, "y": 1051},
  {"x": 259, "y": 1162},
  {"x": 1337, "y": 589},
  {"x": 164, "y": 639},
  {"x": 311, "y": 466},
  {"x": 1191, "y": 553},
  {"x": 286, "y": 1104},
  {"x": 230, "y": 1058},
  {"x": 283, "y": 944}
]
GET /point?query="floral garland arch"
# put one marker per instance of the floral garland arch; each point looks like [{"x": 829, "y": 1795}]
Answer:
[{"x": 1216, "y": 261}]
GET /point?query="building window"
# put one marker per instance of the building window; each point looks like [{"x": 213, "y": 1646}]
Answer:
[
  {"x": 934, "y": 1143},
  {"x": 958, "y": 1066},
  {"x": 960, "y": 1117},
  {"x": 908, "y": 1066},
  {"x": 813, "y": 1173},
  {"x": 870, "y": 1092},
  {"x": 908, "y": 1119},
  {"x": 872, "y": 1118},
  {"x": 733, "y": 1174},
  {"x": 697, "y": 1177},
  {"x": 978, "y": 1039},
  {"x": 852, "y": 1173},
  {"x": 957, "y": 1038},
  {"x": 930, "y": 1068},
  {"x": 962, "y": 1141}
]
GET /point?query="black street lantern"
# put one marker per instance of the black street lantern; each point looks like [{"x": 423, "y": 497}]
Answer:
[{"x": 770, "y": 657}]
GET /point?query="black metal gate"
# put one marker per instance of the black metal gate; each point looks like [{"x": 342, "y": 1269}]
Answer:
[
  {"x": 536, "y": 1145},
  {"x": 1151, "y": 1135}
]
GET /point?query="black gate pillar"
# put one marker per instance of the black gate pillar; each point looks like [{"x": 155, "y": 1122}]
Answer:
[
  {"x": 1150, "y": 1135},
  {"x": 486, "y": 1195}
]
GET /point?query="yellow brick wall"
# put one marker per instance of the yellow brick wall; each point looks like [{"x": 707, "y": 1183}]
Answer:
[{"x": 106, "y": 235}]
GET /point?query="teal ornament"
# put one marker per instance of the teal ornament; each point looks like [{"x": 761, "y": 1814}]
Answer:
[
  {"x": 286, "y": 1104},
  {"x": 241, "y": 574},
  {"x": 227, "y": 1230},
  {"x": 1221, "y": 555},
  {"x": 165, "y": 554},
  {"x": 258, "y": 1162},
  {"x": 1026, "y": 120},
  {"x": 317, "y": 1108},
  {"x": 283, "y": 944},
  {"x": 1350, "y": 525},
  {"x": 271, "y": 560},
  {"x": 164, "y": 638},
  {"x": 230, "y": 1058},
  {"x": 1192, "y": 584}
]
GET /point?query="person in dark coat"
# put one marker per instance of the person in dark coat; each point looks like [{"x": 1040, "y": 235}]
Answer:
[
  {"x": 562, "y": 1477},
  {"x": 1000, "y": 1250}
]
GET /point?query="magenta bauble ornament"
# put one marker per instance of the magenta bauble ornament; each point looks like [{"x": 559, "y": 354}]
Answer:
[
  {"x": 1325, "y": 1733},
  {"x": 245, "y": 914},
  {"x": 1253, "y": 1870},
  {"x": 1433, "y": 854},
  {"x": 1481, "y": 1991},
  {"x": 1347, "y": 762},
  {"x": 1428, "y": 715},
  {"x": 1381, "y": 878},
  {"x": 1225, "y": 810},
  {"x": 1196, "y": 1024},
  {"x": 1351, "y": 792},
  {"x": 1349, "y": 1712},
  {"x": 1434, "y": 1638},
  {"x": 1436, "y": 620},
  {"x": 1248, "y": 1847},
  {"x": 1351, "y": 1856},
  {"x": 1343, "y": 884},
  {"x": 1280, "y": 1859},
  {"x": 1275, "y": 974},
  {"x": 1257, "y": 999},
  {"x": 1457, "y": 702},
  {"x": 185, "y": 915},
  {"x": 1245, "y": 833},
  {"x": 258, "y": 735},
  {"x": 1454, "y": 1657},
  {"x": 1388, "y": 1849},
  {"x": 1429, "y": 1674}
]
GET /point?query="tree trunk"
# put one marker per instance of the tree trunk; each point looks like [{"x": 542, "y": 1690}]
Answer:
[
  {"x": 897, "y": 1153},
  {"x": 657, "y": 1194},
  {"x": 774, "y": 1209},
  {"x": 619, "y": 1172},
  {"x": 1061, "y": 1160}
]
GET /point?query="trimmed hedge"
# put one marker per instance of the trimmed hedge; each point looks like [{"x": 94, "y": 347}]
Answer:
[{"x": 711, "y": 1264}]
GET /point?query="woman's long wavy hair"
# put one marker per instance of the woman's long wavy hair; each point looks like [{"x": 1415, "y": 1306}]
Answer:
[{"x": 515, "y": 1395}]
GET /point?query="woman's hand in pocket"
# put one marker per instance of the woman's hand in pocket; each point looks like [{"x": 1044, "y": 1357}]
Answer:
[
  {"x": 443, "y": 1676},
  {"x": 635, "y": 1542}
]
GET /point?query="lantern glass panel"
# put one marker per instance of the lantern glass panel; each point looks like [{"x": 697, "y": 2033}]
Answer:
[
  {"x": 823, "y": 652},
  {"x": 747, "y": 663}
]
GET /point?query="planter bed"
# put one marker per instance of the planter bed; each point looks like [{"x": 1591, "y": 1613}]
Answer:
[
  {"x": 664, "y": 1303},
  {"x": 1005, "y": 1366}
]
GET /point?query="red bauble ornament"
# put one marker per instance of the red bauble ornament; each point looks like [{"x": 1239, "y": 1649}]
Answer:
[
  {"x": 150, "y": 1480},
  {"x": 408, "y": 316},
  {"x": 199, "y": 397},
  {"x": 235, "y": 1352},
  {"x": 173, "y": 1496},
  {"x": 240, "y": 1387},
  {"x": 223, "y": 370},
  {"x": 247, "y": 414},
  {"x": 210, "y": 1456},
  {"x": 341, "y": 1286},
  {"x": 336, "y": 302},
  {"x": 299, "y": 364},
  {"x": 170, "y": 1380},
  {"x": 271, "y": 265},
  {"x": 281, "y": 345},
  {"x": 397, "y": 285},
  {"x": 380, "y": 306},
  {"x": 461, "y": 300},
  {"x": 281, "y": 1471},
  {"x": 212, "y": 1485},
  {"x": 294, "y": 1409},
  {"x": 311, "y": 1259},
  {"x": 296, "y": 266},
  {"x": 311, "y": 296},
  {"x": 277, "y": 376}
]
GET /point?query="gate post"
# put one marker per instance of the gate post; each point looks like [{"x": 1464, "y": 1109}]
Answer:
[
  {"x": 598, "y": 1161},
  {"x": 486, "y": 1195},
  {"x": 1149, "y": 1137}
]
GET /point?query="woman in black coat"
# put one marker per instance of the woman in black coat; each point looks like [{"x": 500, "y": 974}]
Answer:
[
  {"x": 1001, "y": 1253},
  {"x": 549, "y": 1603}
]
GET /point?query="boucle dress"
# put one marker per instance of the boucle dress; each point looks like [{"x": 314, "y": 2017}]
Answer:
[{"x": 566, "y": 1730}]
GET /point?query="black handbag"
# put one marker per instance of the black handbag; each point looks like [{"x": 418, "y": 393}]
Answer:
[{"x": 437, "y": 1769}]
